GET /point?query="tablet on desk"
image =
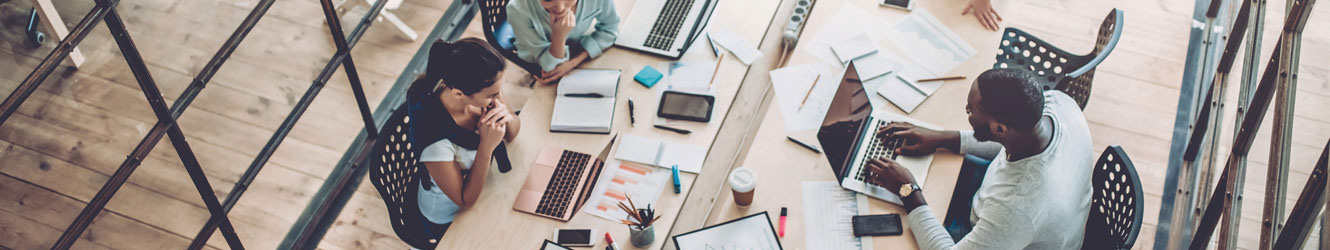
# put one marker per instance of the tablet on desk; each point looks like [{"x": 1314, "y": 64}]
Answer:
[{"x": 686, "y": 106}]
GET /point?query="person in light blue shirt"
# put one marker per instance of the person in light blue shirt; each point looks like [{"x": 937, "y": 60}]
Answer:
[{"x": 545, "y": 29}]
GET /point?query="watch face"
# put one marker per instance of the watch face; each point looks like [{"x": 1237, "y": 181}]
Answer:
[{"x": 906, "y": 190}]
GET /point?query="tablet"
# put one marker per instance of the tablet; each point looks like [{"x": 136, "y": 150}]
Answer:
[{"x": 686, "y": 106}]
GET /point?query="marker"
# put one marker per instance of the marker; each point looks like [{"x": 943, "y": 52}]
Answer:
[
  {"x": 678, "y": 188},
  {"x": 584, "y": 95},
  {"x": 782, "y": 221},
  {"x": 613, "y": 245},
  {"x": 805, "y": 145}
]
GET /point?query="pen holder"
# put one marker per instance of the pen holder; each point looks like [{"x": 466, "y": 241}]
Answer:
[{"x": 642, "y": 237}]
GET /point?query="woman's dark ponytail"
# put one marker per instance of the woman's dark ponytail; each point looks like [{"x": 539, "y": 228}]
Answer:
[{"x": 469, "y": 65}]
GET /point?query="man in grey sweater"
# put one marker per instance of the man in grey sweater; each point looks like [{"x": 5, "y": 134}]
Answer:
[{"x": 1035, "y": 193}]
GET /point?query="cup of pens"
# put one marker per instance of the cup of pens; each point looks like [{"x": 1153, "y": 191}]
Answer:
[{"x": 641, "y": 232}]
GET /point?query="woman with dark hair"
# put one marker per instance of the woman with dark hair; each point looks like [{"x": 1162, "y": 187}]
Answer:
[
  {"x": 458, "y": 118},
  {"x": 559, "y": 35}
]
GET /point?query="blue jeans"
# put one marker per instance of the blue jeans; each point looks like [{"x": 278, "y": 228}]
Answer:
[{"x": 971, "y": 177}]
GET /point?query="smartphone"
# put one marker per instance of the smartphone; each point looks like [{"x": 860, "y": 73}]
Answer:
[
  {"x": 876, "y": 225},
  {"x": 899, "y": 4},
  {"x": 686, "y": 106},
  {"x": 575, "y": 237}
]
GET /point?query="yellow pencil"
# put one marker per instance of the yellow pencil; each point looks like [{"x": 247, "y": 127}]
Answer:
[
  {"x": 717, "y": 71},
  {"x": 810, "y": 91}
]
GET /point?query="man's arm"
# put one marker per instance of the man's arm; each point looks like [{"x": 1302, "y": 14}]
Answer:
[
  {"x": 1000, "y": 226},
  {"x": 971, "y": 146}
]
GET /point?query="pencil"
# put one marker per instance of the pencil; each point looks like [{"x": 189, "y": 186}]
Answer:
[
  {"x": 810, "y": 91},
  {"x": 943, "y": 79},
  {"x": 717, "y": 71}
]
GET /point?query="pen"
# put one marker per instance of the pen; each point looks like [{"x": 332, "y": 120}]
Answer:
[
  {"x": 632, "y": 120},
  {"x": 678, "y": 188},
  {"x": 613, "y": 245},
  {"x": 943, "y": 79},
  {"x": 588, "y": 95},
  {"x": 782, "y": 221},
  {"x": 676, "y": 130},
  {"x": 805, "y": 145}
]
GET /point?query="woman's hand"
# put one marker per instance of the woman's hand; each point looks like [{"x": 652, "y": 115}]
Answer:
[
  {"x": 558, "y": 72},
  {"x": 491, "y": 131},
  {"x": 561, "y": 25},
  {"x": 983, "y": 11},
  {"x": 500, "y": 110}
]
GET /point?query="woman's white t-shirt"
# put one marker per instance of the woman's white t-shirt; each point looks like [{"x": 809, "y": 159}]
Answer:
[{"x": 434, "y": 204}]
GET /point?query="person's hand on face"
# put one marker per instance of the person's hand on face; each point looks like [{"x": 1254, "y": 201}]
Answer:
[
  {"x": 501, "y": 113},
  {"x": 562, "y": 23},
  {"x": 984, "y": 12},
  {"x": 918, "y": 140},
  {"x": 492, "y": 129},
  {"x": 888, "y": 174}
]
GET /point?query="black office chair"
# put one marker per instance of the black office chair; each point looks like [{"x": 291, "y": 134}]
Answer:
[
  {"x": 494, "y": 16},
  {"x": 1059, "y": 69},
  {"x": 1116, "y": 206},
  {"x": 394, "y": 172}
]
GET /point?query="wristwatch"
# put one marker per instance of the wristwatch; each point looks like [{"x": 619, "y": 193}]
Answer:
[{"x": 908, "y": 189}]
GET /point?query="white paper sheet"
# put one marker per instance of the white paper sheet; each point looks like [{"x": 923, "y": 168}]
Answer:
[
  {"x": 655, "y": 152},
  {"x": 638, "y": 149},
  {"x": 875, "y": 65},
  {"x": 901, "y": 92},
  {"x": 853, "y": 48},
  {"x": 926, "y": 41},
  {"x": 689, "y": 158},
  {"x": 845, "y": 24},
  {"x": 791, "y": 85},
  {"x": 622, "y": 180},
  {"x": 690, "y": 76},
  {"x": 828, "y": 210},
  {"x": 746, "y": 52}
]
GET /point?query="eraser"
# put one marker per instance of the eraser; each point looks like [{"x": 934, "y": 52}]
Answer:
[{"x": 648, "y": 76}]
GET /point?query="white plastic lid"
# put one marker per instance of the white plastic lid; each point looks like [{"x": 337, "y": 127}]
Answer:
[{"x": 743, "y": 180}]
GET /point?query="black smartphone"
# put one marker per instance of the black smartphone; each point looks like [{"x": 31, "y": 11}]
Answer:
[
  {"x": 900, "y": 4},
  {"x": 686, "y": 106},
  {"x": 877, "y": 225},
  {"x": 575, "y": 237}
]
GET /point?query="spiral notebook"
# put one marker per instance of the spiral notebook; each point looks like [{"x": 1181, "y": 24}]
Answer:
[{"x": 585, "y": 101}]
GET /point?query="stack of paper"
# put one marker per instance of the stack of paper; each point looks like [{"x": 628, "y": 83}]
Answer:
[
  {"x": 585, "y": 101},
  {"x": 854, "y": 48},
  {"x": 622, "y": 180},
  {"x": 661, "y": 153},
  {"x": 925, "y": 40},
  {"x": 792, "y": 85},
  {"x": 828, "y": 213},
  {"x": 735, "y": 44}
]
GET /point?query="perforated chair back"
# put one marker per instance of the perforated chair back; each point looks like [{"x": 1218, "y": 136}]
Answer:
[
  {"x": 493, "y": 16},
  {"x": 1057, "y": 68},
  {"x": 396, "y": 175},
  {"x": 1116, "y": 206}
]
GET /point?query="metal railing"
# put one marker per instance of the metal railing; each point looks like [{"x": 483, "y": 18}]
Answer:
[
  {"x": 1224, "y": 201},
  {"x": 166, "y": 117}
]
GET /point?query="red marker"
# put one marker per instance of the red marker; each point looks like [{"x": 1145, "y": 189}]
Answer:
[
  {"x": 782, "y": 221},
  {"x": 614, "y": 246}
]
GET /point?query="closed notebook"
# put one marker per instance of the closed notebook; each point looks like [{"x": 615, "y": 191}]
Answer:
[{"x": 591, "y": 108}]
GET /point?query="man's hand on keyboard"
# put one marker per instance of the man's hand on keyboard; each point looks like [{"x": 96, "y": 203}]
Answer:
[
  {"x": 887, "y": 174},
  {"x": 918, "y": 140}
]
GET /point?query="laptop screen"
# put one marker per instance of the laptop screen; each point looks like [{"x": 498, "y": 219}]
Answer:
[{"x": 845, "y": 118}]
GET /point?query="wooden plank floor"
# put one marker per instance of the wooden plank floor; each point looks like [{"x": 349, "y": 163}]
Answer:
[{"x": 71, "y": 134}]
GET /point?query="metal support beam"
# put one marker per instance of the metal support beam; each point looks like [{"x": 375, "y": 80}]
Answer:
[
  {"x": 341, "y": 56},
  {"x": 1232, "y": 213},
  {"x": 1281, "y": 135},
  {"x": 53, "y": 59},
  {"x": 1303, "y": 217}
]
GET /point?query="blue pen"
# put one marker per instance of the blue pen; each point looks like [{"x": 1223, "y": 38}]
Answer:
[{"x": 678, "y": 188}]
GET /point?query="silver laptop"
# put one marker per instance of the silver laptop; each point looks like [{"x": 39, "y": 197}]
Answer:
[
  {"x": 849, "y": 138},
  {"x": 665, "y": 27}
]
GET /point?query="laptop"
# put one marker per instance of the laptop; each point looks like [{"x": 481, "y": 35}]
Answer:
[
  {"x": 665, "y": 27},
  {"x": 560, "y": 181},
  {"x": 849, "y": 137}
]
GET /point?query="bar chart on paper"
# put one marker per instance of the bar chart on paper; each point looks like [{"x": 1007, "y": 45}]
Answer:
[{"x": 627, "y": 179}]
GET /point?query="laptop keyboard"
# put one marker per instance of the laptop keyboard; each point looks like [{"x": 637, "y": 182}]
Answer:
[
  {"x": 559, "y": 192},
  {"x": 667, "y": 24},
  {"x": 880, "y": 148}
]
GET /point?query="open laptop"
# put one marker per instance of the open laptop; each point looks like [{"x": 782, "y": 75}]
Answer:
[
  {"x": 560, "y": 182},
  {"x": 665, "y": 27},
  {"x": 849, "y": 138}
]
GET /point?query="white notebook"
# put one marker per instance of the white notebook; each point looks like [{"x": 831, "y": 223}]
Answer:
[
  {"x": 591, "y": 108},
  {"x": 661, "y": 153}
]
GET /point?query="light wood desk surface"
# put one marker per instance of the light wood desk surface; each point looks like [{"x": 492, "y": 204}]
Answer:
[
  {"x": 782, "y": 166},
  {"x": 493, "y": 224}
]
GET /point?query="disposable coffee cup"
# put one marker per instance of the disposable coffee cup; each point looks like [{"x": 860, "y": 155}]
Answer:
[{"x": 743, "y": 182}]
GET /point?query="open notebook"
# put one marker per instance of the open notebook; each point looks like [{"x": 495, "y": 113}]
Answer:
[
  {"x": 661, "y": 153},
  {"x": 585, "y": 100}
]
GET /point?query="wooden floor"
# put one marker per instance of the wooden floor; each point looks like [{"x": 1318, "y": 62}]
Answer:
[{"x": 65, "y": 141}]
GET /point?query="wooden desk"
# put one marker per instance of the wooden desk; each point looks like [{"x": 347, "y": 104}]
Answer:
[
  {"x": 782, "y": 166},
  {"x": 493, "y": 224}
]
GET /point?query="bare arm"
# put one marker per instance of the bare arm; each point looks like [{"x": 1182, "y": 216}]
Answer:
[{"x": 463, "y": 190}]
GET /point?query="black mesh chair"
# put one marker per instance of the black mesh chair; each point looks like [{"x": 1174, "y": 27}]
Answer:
[
  {"x": 494, "y": 16},
  {"x": 1057, "y": 68},
  {"x": 394, "y": 172},
  {"x": 1116, "y": 206}
]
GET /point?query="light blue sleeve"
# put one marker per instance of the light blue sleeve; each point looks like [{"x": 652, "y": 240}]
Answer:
[
  {"x": 532, "y": 45},
  {"x": 607, "y": 29}
]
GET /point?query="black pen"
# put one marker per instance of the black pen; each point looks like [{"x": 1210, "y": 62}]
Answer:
[
  {"x": 805, "y": 145},
  {"x": 632, "y": 120},
  {"x": 588, "y": 95},
  {"x": 676, "y": 130}
]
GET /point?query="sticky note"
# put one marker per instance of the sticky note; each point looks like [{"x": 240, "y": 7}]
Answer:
[{"x": 648, "y": 76}]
